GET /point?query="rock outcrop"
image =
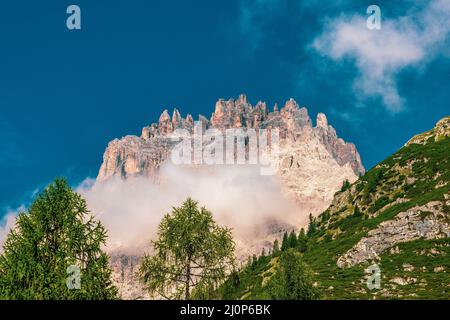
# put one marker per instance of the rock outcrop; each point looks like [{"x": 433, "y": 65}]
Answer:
[
  {"x": 440, "y": 131},
  {"x": 421, "y": 222}
]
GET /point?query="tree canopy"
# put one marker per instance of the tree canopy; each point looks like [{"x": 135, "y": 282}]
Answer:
[
  {"x": 284, "y": 242},
  {"x": 192, "y": 255},
  {"x": 292, "y": 279},
  {"x": 54, "y": 252}
]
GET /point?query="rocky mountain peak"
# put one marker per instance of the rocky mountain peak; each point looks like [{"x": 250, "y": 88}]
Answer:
[
  {"x": 189, "y": 120},
  {"x": 165, "y": 123},
  {"x": 291, "y": 104},
  {"x": 322, "y": 120},
  {"x": 242, "y": 99},
  {"x": 176, "y": 119},
  {"x": 275, "y": 108},
  {"x": 440, "y": 131},
  {"x": 293, "y": 122}
]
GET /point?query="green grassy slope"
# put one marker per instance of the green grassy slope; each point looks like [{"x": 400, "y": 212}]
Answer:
[{"x": 417, "y": 175}]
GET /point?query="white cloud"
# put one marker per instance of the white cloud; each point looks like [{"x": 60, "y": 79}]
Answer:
[
  {"x": 238, "y": 196},
  {"x": 408, "y": 41},
  {"x": 7, "y": 223}
]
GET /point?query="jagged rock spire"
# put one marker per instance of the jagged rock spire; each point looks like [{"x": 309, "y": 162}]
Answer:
[
  {"x": 164, "y": 123},
  {"x": 189, "y": 121},
  {"x": 176, "y": 119},
  {"x": 242, "y": 99},
  {"x": 322, "y": 120},
  {"x": 293, "y": 122}
]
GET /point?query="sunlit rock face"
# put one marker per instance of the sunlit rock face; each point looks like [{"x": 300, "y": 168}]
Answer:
[
  {"x": 313, "y": 162},
  {"x": 133, "y": 155}
]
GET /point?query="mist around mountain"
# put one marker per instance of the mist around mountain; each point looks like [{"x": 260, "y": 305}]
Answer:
[{"x": 138, "y": 182}]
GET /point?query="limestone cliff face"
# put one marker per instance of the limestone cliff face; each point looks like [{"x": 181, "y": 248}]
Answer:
[{"x": 314, "y": 160}]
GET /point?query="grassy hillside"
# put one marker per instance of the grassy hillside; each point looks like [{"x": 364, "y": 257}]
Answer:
[{"x": 397, "y": 215}]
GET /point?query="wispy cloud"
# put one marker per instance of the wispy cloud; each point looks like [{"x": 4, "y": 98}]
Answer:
[
  {"x": 238, "y": 196},
  {"x": 408, "y": 41},
  {"x": 8, "y": 214},
  {"x": 7, "y": 223}
]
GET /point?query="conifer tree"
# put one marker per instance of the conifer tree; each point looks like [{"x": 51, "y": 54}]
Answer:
[
  {"x": 276, "y": 247},
  {"x": 54, "y": 252},
  {"x": 293, "y": 279},
  {"x": 254, "y": 261},
  {"x": 193, "y": 255},
  {"x": 292, "y": 239},
  {"x": 345, "y": 185},
  {"x": 312, "y": 226},
  {"x": 284, "y": 242},
  {"x": 302, "y": 240}
]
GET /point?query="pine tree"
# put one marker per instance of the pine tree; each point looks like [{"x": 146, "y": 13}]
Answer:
[
  {"x": 345, "y": 185},
  {"x": 302, "y": 241},
  {"x": 312, "y": 227},
  {"x": 254, "y": 261},
  {"x": 192, "y": 255},
  {"x": 231, "y": 285},
  {"x": 284, "y": 242},
  {"x": 292, "y": 239},
  {"x": 276, "y": 247},
  {"x": 292, "y": 279},
  {"x": 54, "y": 252},
  {"x": 263, "y": 255}
]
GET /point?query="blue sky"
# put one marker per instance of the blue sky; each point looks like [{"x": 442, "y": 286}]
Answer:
[{"x": 65, "y": 94}]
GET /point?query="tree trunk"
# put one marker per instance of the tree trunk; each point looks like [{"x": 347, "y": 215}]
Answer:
[{"x": 188, "y": 279}]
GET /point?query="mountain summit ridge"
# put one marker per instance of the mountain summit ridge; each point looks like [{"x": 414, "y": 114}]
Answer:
[{"x": 123, "y": 157}]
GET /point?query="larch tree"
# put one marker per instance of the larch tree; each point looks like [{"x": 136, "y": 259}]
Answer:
[
  {"x": 192, "y": 255},
  {"x": 54, "y": 252}
]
